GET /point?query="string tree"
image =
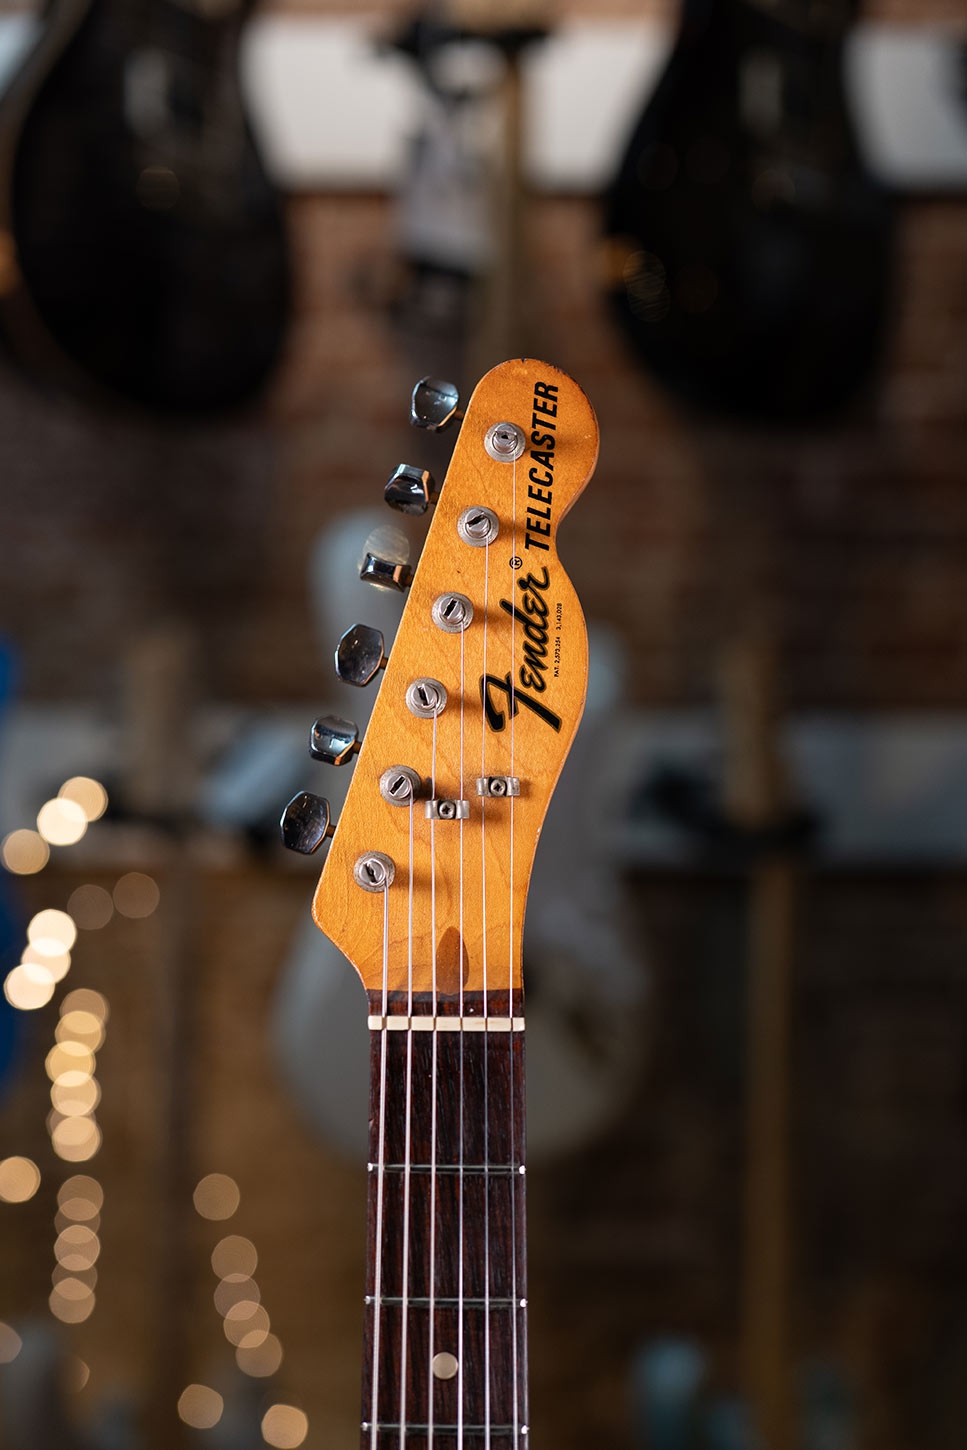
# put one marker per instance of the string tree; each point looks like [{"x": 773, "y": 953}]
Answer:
[
  {"x": 447, "y": 810},
  {"x": 498, "y": 787}
]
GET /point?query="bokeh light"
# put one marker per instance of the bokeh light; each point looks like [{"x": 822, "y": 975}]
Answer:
[
  {"x": 83, "y": 1189},
  {"x": 216, "y": 1196},
  {"x": 84, "y": 1277},
  {"x": 246, "y": 1324},
  {"x": 24, "y": 852},
  {"x": 51, "y": 932},
  {"x": 260, "y": 1360},
  {"x": 84, "y": 1000},
  {"x": 19, "y": 1179},
  {"x": 234, "y": 1255},
  {"x": 71, "y": 1301},
  {"x": 76, "y": 1139},
  {"x": 200, "y": 1407},
  {"x": 235, "y": 1290},
  {"x": 87, "y": 793},
  {"x": 136, "y": 895},
  {"x": 68, "y": 1059},
  {"x": 28, "y": 987},
  {"x": 77, "y": 1101},
  {"x": 61, "y": 822},
  {"x": 76, "y": 1374},
  {"x": 82, "y": 1027},
  {"x": 10, "y": 1344},
  {"x": 77, "y": 1247},
  {"x": 56, "y": 966},
  {"x": 91, "y": 907},
  {"x": 284, "y": 1426}
]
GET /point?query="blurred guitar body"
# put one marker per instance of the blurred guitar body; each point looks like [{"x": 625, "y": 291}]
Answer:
[
  {"x": 749, "y": 250},
  {"x": 144, "y": 252}
]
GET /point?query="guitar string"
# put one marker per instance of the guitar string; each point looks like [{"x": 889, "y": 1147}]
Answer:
[
  {"x": 433, "y": 1102},
  {"x": 510, "y": 1010},
  {"x": 380, "y": 1180},
  {"x": 486, "y": 1012},
  {"x": 407, "y": 1160},
  {"x": 460, "y": 1305}
]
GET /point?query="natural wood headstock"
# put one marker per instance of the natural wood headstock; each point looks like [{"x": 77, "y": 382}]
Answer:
[{"x": 455, "y": 908}]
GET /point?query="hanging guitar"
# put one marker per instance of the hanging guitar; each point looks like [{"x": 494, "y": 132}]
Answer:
[
  {"x": 143, "y": 252},
  {"x": 749, "y": 249},
  {"x": 424, "y": 890}
]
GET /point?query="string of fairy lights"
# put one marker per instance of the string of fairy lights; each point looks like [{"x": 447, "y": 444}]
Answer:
[
  {"x": 245, "y": 1322},
  {"x": 76, "y": 1136}
]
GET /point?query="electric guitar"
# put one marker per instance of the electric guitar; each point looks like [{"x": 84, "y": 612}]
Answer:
[
  {"x": 424, "y": 891},
  {"x": 142, "y": 249},
  {"x": 750, "y": 250}
]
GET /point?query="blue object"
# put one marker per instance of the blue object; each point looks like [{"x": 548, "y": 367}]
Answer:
[{"x": 667, "y": 1377}]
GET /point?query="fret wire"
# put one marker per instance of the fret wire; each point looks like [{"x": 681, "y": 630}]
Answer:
[
  {"x": 427, "y": 1022},
  {"x": 411, "y": 1428},
  {"x": 442, "y": 1302},
  {"x": 498, "y": 1170}
]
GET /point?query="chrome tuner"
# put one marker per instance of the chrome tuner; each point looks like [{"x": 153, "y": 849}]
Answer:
[
  {"x": 411, "y": 490},
  {"x": 359, "y": 655},
  {"x": 435, "y": 404},
  {"x": 333, "y": 740},
  {"x": 306, "y": 822},
  {"x": 400, "y": 786},
  {"x": 385, "y": 574},
  {"x": 374, "y": 871}
]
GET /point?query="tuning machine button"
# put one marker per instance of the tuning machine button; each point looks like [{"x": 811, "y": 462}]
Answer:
[
  {"x": 333, "y": 740},
  {"x": 435, "y": 404},
  {"x": 411, "y": 490},
  {"x": 359, "y": 655},
  {"x": 306, "y": 822},
  {"x": 385, "y": 574}
]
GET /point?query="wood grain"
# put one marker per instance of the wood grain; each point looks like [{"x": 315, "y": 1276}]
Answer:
[
  {"x": 476, "y": 930},
  {"x": 472, "y": 1221}
]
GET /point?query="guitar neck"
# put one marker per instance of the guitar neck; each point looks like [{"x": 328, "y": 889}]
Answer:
[{"x": 445, "y": 1351}]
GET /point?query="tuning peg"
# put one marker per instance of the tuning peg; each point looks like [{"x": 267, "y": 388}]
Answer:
[
  {"x": 411, "y": 490},
  {"x": 435, "y": 404},
  {"x": 306, "y": 822},
  {"x": 385, "y": 574},
  {"x": 333, "y": 740},
  {"x": 359, "y": 655}
]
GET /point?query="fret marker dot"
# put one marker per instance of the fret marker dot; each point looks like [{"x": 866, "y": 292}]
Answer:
[{"x": 445, "y": 1366}]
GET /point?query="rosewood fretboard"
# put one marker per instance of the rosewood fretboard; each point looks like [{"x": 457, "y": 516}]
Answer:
[{"x": 446, "y": 1276}]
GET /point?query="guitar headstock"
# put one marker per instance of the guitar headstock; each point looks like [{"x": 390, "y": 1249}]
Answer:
[{"x": 425, "y": 884}]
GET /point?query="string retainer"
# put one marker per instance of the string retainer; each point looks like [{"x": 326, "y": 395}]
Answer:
[
  {"x": 447, "y": 810},
  {"x": 498, "y": 786}
]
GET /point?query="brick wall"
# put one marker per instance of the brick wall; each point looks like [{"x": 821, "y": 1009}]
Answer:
[{"x": 857, "y": 552}]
